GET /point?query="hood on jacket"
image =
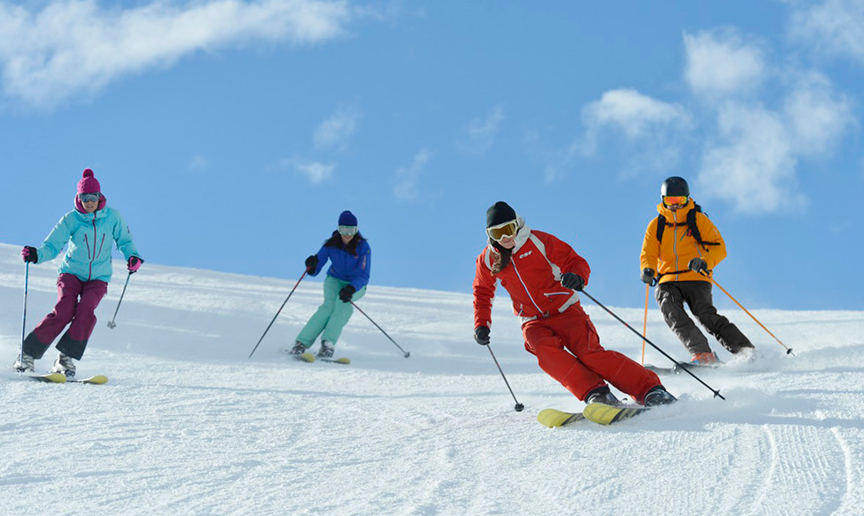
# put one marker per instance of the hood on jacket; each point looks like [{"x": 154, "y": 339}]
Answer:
[{"x": 678, "y": 216}]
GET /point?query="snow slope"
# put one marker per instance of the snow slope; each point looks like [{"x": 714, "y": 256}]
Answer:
[{"x": 189, "y": 425}]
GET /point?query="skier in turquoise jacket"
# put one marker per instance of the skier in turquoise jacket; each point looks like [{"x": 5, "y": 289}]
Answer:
[
  {"x": 90, "y": 230},
  {"x": 350, "y": 261}
]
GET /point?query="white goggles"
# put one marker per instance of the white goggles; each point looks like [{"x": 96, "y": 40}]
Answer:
[
  {"x": 505, "y": 230},
  {"x": 347, "y": 230}
]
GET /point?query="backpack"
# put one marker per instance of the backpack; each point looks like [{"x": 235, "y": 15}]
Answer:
[{"x": 691, "y": 226}]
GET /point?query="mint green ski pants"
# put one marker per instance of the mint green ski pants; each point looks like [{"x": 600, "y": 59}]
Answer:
[{"x": 331, "y": 316}]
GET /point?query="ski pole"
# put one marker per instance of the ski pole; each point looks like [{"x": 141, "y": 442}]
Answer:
[
  {"x": 645, "y": 321},
  {"x": 788, "y": 350},
  {"x": 24, "y": 322},
  {"x": 278, "y": 312},
  {"x": 111, "y": 323},
  {"x": 518, "y": 406},
  {"x": 406, "y": 353},
  {"x": 681, "y": 366}
]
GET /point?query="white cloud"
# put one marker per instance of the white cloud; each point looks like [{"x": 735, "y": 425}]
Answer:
[
  {"x": 336, "y": 130},
  {"x": 833, "y": 26},
  {"x": 816, "y": 115},
  {"x": 720, "y": 64},
  {"x": 754, "y": 165},
  {"x": 653, "y": 129},
  {"x": 71, "y": 47},
  {"x": 315, "y": 171},
  {"x": 408, "y": 178},
  {"x": 478, "y": 136},
  {"x": 199, "y": 163},
  {"x": 633, "y": 113}
]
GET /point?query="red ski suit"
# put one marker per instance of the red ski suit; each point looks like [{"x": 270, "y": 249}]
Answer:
[{"x": 555, "y": 328}]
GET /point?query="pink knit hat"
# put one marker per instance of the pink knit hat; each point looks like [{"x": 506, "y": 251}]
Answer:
[{"x": 88, "y": 183}]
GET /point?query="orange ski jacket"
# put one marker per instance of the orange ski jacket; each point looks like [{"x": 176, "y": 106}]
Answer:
[{"x": 671, "y": 257}]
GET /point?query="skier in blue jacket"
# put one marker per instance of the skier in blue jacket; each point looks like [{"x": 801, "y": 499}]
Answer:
[
  {"x": 90, "y": 230},
  {"x": 350, "y": 260}
]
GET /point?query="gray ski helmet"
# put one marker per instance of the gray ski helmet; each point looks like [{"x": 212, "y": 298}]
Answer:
[{"x": 675, "y": 186}]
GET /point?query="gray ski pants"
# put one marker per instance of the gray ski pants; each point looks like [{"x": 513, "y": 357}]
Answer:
[{"x": 671, "y": 297}]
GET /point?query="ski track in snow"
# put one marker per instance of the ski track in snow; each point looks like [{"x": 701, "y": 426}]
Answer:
[{"x": 189, "y": 425}]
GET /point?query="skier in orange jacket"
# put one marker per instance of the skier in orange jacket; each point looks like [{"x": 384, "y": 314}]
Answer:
[{"x": 678, "y": 257}]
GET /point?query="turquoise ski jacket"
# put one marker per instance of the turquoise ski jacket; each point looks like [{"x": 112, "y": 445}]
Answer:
[{"x": 91, "y": 237}]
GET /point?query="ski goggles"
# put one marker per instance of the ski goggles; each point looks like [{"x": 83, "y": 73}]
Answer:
[
  {"x": 672, "y": 200},
  {"x": 89, "y": 197},
  {"x": 347, "y": 230},
  {"x": 505, "y": 230}
]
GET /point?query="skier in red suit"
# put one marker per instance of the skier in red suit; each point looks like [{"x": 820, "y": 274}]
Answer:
[{"x": 543, "y": 276}]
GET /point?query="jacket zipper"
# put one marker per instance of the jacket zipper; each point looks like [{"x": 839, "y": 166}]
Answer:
[
  {"x": 95, "y": 236},
  {"x": 539, "y": 311},
  {"x": 101, "y": 245},
  {"x": 675, "y": 245}
]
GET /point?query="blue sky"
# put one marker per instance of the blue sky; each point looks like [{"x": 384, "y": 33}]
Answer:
[{"x": 231, "y": 134}]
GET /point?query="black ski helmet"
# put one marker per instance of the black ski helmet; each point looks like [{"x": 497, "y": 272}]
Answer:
[{"x": 675, "y": 186}]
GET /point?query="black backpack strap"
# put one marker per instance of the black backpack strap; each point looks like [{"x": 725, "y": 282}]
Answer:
[
  {"x": 694, "y": 229},
  {"x": 661, "y": 226}
]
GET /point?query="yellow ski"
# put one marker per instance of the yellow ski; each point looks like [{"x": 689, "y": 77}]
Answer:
[
  {"x": 553, "y": 418},
  {"x": 305, "y": 357},
  {"x": 606, "y": 414},
  {"x": 340, "y": 360},
  {"x": 96, "y": 380},
  {"x": 50, "y": 378}
]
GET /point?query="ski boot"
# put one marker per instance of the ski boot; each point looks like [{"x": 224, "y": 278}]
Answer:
[
  {"x": 298, "y": 349},
  {"x": 64, "y": 365},
  {"x": 602, "y": 395},
  {"x": 657, "y": 396},
  {"x": 702, "y": 359},
  {"x": 326, "y": 350},
  {"x": 24, "y": 363}
]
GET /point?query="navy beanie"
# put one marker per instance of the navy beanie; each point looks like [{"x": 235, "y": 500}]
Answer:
[
  {"x": 499, "y": 213},
  {"x": 346, "y": 218}
]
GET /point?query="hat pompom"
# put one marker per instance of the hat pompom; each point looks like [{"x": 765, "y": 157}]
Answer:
[{"x": 88, "y": 183}]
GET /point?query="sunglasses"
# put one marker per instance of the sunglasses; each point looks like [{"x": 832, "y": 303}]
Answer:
[
  {"x": 670, "y": 200},
  {"x": 88, "y": 197},
  {"x": 505, "y": 230},
  {"x": 348, "y": 230}
]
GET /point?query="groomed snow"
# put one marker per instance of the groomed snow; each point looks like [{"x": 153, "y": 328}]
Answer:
[{"x": 189, "y": 425}]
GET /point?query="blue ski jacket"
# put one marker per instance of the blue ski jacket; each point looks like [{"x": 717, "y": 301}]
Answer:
[
  {"x": 346, "y": 266},
  {"x": 90, "y": 237}
]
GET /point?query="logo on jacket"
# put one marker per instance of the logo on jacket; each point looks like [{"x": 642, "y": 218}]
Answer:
[{"x": 523, "y": 255}]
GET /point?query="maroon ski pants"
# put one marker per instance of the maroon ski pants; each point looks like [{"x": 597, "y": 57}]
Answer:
[{"x": 76, "y": 303}]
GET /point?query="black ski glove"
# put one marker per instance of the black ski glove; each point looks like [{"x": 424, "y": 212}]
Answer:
[
  {"x": 648, "y": 276},
  {"x": 572, "y": 281},
  {"x": 346, "y": 293},
  {"x": 481, "y": 335},
  {"x": 311, "y": 263},
  {"x": 30, "y": 254},
  {"x": 698, "y": 265}
]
